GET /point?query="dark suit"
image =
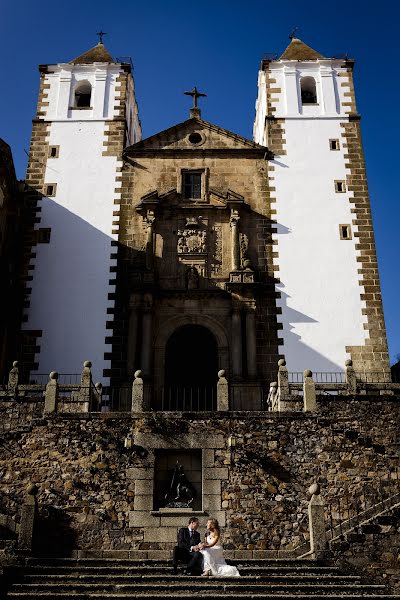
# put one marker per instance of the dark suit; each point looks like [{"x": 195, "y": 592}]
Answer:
[{"x": 182, "y": 552}]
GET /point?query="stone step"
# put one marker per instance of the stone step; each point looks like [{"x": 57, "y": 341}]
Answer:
[
  {"x": 209, "y": 585},
  {"x": 110, "y": 579},
  {"x": 166, "y": 570},
  {"x": 171, "y": 579},
  {"x": 199, "y": 596},
  {"x": 164, "y": 562}
]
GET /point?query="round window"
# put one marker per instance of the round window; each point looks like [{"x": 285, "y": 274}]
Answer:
[{"x": 195, "y": 138}]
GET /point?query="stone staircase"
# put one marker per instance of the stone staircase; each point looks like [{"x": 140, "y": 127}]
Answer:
[{"x": 98, "y": 579}]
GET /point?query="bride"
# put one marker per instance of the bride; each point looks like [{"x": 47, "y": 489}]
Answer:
[{"x": 213, "y": 555}]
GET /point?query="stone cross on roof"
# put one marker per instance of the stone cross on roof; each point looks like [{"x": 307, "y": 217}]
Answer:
[
  {"x": 195, "y": 94},
  {"x": 195, "y": 110},
  {"x": 101, "y": 34}
]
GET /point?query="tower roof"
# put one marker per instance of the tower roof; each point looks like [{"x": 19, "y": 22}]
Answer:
[
  {"x": 298, "y": 50},
  {"x": 98, "y": 53}
]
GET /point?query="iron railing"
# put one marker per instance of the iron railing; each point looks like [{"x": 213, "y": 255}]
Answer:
[
  {"x": 124, "y": 60},
  {"x": 185, "y": 398},
  {"x": 116, "y": 399},
  {"x": 368, "y": 498},
  {"x": 63, "y": 378},
  {"x": 319, "y": 377}
]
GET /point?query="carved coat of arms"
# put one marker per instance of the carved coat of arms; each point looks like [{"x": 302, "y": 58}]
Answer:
[{"x": 192, "y": 241}]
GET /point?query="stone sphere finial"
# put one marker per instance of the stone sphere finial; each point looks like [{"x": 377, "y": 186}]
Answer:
[
  {"x": 32, "y": 489},
  {"x": 314, "y": 489},
  {"x": 138, "y": 374},
  {"x": 221, "y": 373},
  {"x": 87, "y": 363},
  {"x": 98, "y": 386},
  {"x": 53, "y": 375},
  {"x": 15, "y": 363},
  {"x": 349, "y": 362},
  {"x": 273, "y": 384},
  {"x": 307, "y": 373},
  {"x": 281, "y": 362}
]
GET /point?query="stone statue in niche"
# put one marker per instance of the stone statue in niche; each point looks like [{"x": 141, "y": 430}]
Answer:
[
  {"x": 244, "y": 246},
  {"x": 181, "y": 492},
  {"x": 245, "y": 261},
  {"x": 192, "y": 279}
]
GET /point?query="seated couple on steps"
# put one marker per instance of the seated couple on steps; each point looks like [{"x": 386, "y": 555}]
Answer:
[{"x": 202, "y": 558}]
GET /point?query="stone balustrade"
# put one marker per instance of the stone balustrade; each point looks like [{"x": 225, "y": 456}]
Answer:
[{"x": 294, "y": 388}]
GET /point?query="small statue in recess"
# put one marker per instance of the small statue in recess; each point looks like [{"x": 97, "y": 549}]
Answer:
[
  {"x": 181, "y": 492},
  {"x": 192, "y": 279}
]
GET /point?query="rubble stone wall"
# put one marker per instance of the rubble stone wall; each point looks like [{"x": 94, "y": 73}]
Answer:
[{"x": 96, "y": 495}]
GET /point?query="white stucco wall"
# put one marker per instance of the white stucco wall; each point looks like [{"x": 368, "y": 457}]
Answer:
[
  {"x": 321, "y": 305},
  {"x": 70, "y": 286}
]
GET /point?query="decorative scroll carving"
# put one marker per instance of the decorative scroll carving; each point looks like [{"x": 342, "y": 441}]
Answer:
[
  {"x": 244, "y": 245},
  {"x": 217, "y": 259}
]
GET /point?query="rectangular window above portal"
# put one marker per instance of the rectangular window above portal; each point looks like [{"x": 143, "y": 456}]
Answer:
[{"x": 192, "y": 184}]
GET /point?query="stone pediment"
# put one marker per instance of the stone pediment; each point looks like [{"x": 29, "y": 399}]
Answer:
[
  {"x": 215, "y": 198},
  {"x": 195, "y": 135}
]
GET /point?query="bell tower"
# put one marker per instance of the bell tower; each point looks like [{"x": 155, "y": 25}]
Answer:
[
  {"x": 87, "y": 113},
  {"x": 325, "y": 260}
]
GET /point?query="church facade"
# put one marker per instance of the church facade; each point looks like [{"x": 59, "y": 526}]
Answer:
[
  {"x": 197, "y": 250},
  {"x": 184, "y": 266}
]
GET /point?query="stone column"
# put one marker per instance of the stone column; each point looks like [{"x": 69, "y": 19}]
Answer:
[
  {"x": 351, "y": 378},
  {"x": 137, "y": 393},
  {"x": 132, "y": 332},
  {"x": 251, "y": 344},
  {"x": 51, "y": 394},
  {"x": 283, "y": 384},
  {"x": 309, "y": 395},
  {"x": 99, "y": 396},
  {"x": 149, "y": 240},
  {"x": 316, "y": 523},
  {"x": 28, "y": 516},
  {"x": 235, "y": 246},
  {"x": 147, "y": 331},
  {"x": 222, "y": 392},
  {"x": 13, "y": 377},
  {"x": 85, "y": 388},
  {"x": 236, "y": 342}
]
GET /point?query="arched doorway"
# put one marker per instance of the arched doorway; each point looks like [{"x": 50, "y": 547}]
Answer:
[{"x": 191, "y": 370}]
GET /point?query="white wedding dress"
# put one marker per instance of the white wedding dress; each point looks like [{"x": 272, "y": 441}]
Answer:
[{"x": 214, "y": 561}]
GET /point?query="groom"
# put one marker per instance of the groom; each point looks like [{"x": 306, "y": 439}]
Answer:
[{"x": 187, "y": 549}]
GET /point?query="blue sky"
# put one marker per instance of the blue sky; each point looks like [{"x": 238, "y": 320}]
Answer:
[{"x": 217, "y": 45}]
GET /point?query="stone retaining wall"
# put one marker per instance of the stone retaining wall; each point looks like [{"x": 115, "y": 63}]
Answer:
[{"x": 96, "y": 495}]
